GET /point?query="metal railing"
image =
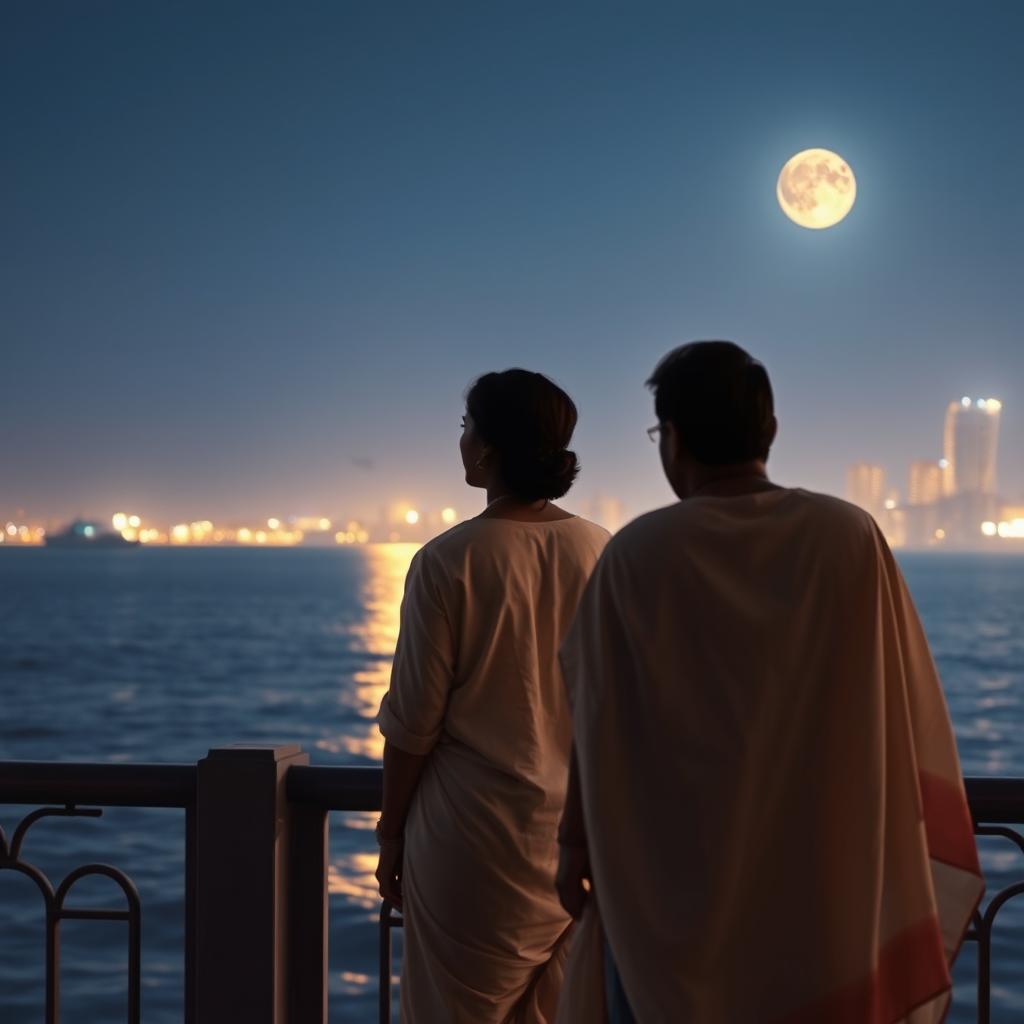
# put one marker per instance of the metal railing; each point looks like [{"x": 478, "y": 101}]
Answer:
[
  {"x": 71, "y": 786},
  {"x": 995, "y": 805},
  {"x": 256, "y": 862}
]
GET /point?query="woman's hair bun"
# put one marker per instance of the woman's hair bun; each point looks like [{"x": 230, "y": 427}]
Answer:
[
  {"x": 528, "y": 420},
  {"x": 535, "y": 475}
]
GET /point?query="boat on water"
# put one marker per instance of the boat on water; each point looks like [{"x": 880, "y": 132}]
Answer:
[{"x": 85, "y": 534}]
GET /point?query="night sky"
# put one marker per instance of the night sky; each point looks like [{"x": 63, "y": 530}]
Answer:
[{"x": 253, "y": 254}]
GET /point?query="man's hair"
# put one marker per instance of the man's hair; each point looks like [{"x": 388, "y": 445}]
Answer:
[{"x": 719, "y": 399}]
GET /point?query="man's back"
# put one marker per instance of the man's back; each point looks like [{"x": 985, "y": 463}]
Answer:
[{"x": 747, "y": 671}]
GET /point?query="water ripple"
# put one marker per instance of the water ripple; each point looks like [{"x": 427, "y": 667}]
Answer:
[{"x": 162, "y": 654}]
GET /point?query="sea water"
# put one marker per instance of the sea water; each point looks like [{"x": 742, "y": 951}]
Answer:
[{"x": 160, "y": 654}]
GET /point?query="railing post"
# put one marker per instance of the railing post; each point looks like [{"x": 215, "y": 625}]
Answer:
[
  {"x": 307, "y": 921},
  {"x": 241, "y": 913}
]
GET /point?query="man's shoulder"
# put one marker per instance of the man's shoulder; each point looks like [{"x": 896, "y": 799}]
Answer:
[
  {"x": 647, "y": 529},
  {"x": 831, "y": 514},
  {"x": 834, "y": 512}
]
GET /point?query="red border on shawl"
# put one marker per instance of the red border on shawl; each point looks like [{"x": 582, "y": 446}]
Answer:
[
  {"x": 947, "y": 822},
  {"x": 911, "y": 972}
]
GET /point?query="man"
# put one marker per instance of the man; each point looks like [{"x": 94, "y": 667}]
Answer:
[{"x": 766, "y": 797}]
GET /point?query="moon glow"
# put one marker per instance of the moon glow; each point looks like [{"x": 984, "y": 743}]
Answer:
[{"x": 816, "y": 188}]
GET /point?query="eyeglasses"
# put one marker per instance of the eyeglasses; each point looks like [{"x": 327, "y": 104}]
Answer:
[{"x": 653, "y": 432}]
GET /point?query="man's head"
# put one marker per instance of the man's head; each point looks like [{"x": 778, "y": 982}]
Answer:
[{"x": 716, "y": 412}]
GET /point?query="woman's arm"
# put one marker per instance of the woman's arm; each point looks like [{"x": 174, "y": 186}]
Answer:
[
  {"x": 573, "y": 878},
  {"x": 401, "y": 776},
  {"x": 412, "y": 712},
  {"x": 571, "y": 829}
]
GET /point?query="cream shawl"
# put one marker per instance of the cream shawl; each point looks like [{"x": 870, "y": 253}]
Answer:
[{"x": 777, "y": 821}]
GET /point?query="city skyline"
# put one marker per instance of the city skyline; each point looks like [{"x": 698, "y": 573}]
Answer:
[
  {"x": 951, "y": 502},
  {"x": 252, "y": 262},
  {"x": 867, "y": 484},
  {"x": 398, "y": 522}
]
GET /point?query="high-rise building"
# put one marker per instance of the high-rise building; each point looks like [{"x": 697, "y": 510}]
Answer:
[
  {"x": 609, "y": 512},
  {"x": 603, "y": 509},
  {"x": 925, "y": 512},
  {"x": 925, "y": 483},
  {"x": 865, "y": 486},
  {"x": 969, "y": 447}
]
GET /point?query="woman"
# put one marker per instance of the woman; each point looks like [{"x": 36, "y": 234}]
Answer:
[{"x": 477, "y": 725}]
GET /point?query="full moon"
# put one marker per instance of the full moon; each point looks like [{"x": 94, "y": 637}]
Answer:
[{"x": 816, "y": 188}]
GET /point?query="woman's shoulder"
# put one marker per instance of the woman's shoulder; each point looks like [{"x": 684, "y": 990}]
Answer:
[
  {"x": 592, "y": 531},
  {"x": 453, "y": 541},
  {"x": 567, "y": 528},
  {"x": 491, "y": 533}
]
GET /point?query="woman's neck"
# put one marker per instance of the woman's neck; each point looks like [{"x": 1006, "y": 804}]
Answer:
[{"x": 504, "y": 505}]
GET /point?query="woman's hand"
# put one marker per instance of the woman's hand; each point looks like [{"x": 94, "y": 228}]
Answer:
[
  {"x": 389, "y": 871},
  {"x": 573, "y": 879},
  {"x": 402, "y": 772}
]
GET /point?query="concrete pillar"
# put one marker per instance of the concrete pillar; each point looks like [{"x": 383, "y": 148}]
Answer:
[{"x": 242, "y": 915}]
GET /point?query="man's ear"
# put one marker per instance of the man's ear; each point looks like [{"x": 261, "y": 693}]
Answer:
[{"x": 672, "y": 443}]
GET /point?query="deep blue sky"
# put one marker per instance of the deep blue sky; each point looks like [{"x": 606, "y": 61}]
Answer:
[{"x": 244, "y": 245}]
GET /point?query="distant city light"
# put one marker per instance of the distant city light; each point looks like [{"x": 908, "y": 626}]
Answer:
[
  {"x": 325, "y": 524},
  {"x": 991, "y": 405},
  {"x": 940, "y": 534},
  {"x": 1008, "y": 529},
  {"x": 353, "y": 535},
  {"x": 273, "y": 532},
  {"x": 890, "y": 504},
  {"x": 989, "y": 529},
  {"x": 943, "y": 463},
  {"x": 448, "y": 515}
]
